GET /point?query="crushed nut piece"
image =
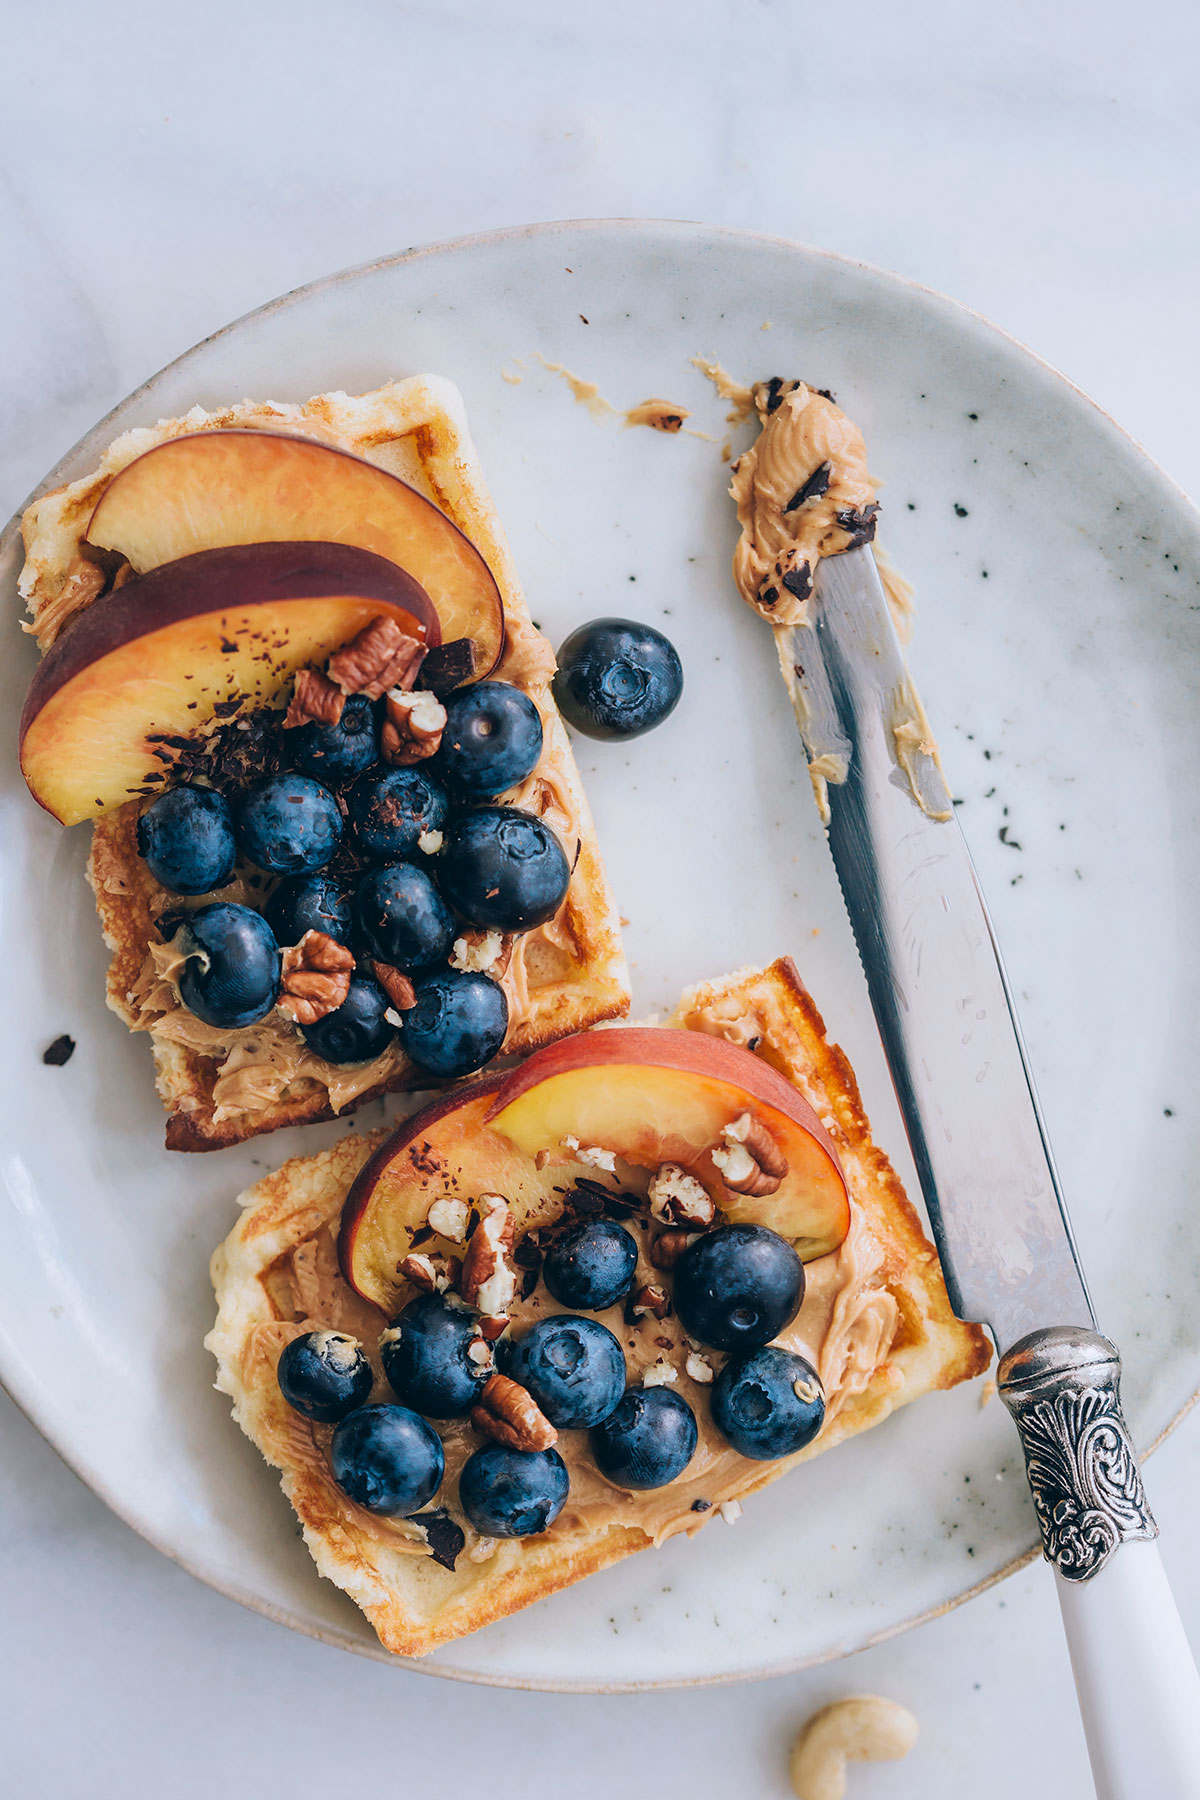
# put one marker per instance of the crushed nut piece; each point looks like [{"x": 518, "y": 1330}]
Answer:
[
  {"x": 667, "y": 1248},
  {"x": 677, "y": 1198},
  {"x": 808, "y": 1392},
  {"x": 750, "y": 1160},
  {"x": 431, "y": 1274},
  {"x": 489, "y": 1280},
  {"x": 412, "y": 730},
  {"x": 509, "y": 1413},
  {"x": 699, "y": 1368},
  {"x": 660, "y": 1374},
  {"x": 480, "y": 1353},
  {"x": 479, "y": 952},
  {"x": 315, "y": 700},
  {"x": 430, "y": 842},
  {"x": 483, "y": 1550},
  {"x": 650, "y": 1299},
  {"x": 316, "y": 977},
  {"x": 730, "y": 1511},
  {"x": 396, "y": 985},
  {"x": 382, "y": 656},
  {"x": 449, "y": 1219},
  {"x": 592, "y": 1155}
]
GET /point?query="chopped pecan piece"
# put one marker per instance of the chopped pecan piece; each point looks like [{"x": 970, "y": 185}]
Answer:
[
  {"x": 677, "y": 1198},
  {"x": 316, "y": 977},
  {"x": 412, "y": 730},
  {"x": 396, "y": 985},
  {"x": 382, "y": 656},
  {"x": 489, "y": 1280},
  {"x": 651, "y": 1299},
  {"x": 509, "y": 1413},
  {"x": 667, "y": 1248},
  {"x": 315, "y": 700},
  {"x": 487, "y": 952},
  {"x": 431, "y": 1274},
  {"x": 749, "y": 1159}
]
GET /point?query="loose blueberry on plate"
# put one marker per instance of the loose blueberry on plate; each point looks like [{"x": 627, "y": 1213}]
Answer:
[
  {"x": 591, "y": 1265},
  {"x": 492, "y": 739},
  {"x": 769, "y": 1403},
  {"x": 390, "y": 811},
  {"x": 736, "y": 1288},
  {"x": 573, "y": 1367},
  {"x": 231, "y": 974},
  {"x": 649, "y": 1440},
  {"x": 355, "y": 1031},
  {"x": 425, "y": 1358},
  {"x": 310, "y": 903},
  {"x": 186, "y": 837},
  {"x": 617, "y": 678},
  {"x": 458, "y": 1023},
  {"x": 503, "y": 868},
  {"x": 288, "y": 824},
  {"x": 402, "y": 918},
  {"x": 336, "y": 753},
  {"x": 512, "y": 1493},
  {"x": 387, "y": 1459},
  {"x": 324, "y": 1375}
]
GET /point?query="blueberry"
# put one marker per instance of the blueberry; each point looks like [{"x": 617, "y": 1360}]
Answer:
[
  {"x": 503, "y": 868},
  {"x": 736, "y": 1288},
  {"x": 335, "y": 753},
  {"x": 231, "y": 975},
  {"x": 186, "y": 837},
  {"x": 355, "y": 1031},
  {"x": 288, "y": 824},
  {"x": 324, "y": 1375},
  {"x": 512, "y": 1493},
  {"x": 425, "y": 1358},
  {"x": 768, "y": 1404},
  {"x": 310, "y": 903},
  {"x": 458, "y": 1023},
  {"x": 590, "y": 1265},
  {"x": 388, "y": 1459},
  {"x": 492, "y": 739},
  {"x": 573, "y": 1367},
  {"x": 391, "y": 811},
  {"x": 617, "y": 678},
  {"x": 402, "y": 918},
  {"x": 649, "y": 1440}
]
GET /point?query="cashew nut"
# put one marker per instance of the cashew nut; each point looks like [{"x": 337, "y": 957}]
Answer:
[{"x": 864, "y": 1728}]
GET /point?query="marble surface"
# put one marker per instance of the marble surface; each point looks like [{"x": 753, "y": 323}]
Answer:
[{"x": 165, "y": 171}]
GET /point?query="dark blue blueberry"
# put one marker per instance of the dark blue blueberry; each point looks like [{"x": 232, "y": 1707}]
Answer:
[
  {"x": 325, "y": 1375},
  {"x": 649, "y": 1440},
  {"x": 738, "y": 1287},
  {"x": 458, "y": 1023},
  {"x": 388, "y": 1459},
  {"x": 231, "y": 976},
  {"x": 288, "y": 824},
  {"x": 390, "y": 811},
  {"x": 492, "y": 740},
  {"x": 591, "y": 1265},
  {"x": 573, "y": 1367},
  {"x": 768, "y": 1404},
  {"x": 503, "y": 868},
  {"x": 336, "y": 753},
  {"x": 402, "y": 918},
  {"x": 186, "y": 837},
  {"x": 425, "y": 1358},
  {"x": 512, "y": 1493},
  {"x": 355, "y": 1031},
  {"x": 617, "y": 678},
  {"x": 310, "y": 903}
]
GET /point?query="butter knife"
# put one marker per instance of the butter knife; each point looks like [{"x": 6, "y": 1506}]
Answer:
[{"x": 946, "y": 1017}]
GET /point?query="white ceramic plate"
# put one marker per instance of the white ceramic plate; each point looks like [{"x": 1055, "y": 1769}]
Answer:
[{"x": 1058, "y": 647}]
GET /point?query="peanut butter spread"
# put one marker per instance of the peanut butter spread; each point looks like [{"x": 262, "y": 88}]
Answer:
[{"x": 845, "y": 1328}]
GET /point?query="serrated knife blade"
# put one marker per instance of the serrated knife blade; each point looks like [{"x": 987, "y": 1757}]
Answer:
[{"x": 937, "y": 984}]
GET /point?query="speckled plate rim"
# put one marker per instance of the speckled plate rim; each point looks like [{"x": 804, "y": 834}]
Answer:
[{"x": 97, "y": 439}]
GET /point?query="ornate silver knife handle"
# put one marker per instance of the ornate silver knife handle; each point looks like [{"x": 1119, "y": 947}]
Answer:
[{"x": 1062, "y": 1387}]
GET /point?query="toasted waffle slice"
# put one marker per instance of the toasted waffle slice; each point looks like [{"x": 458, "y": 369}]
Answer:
[
  {"x": 222, "y": 1086},
  {"x": 876, "y": 1321}
]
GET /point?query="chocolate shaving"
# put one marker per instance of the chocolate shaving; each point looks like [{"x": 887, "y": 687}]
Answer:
[
  {"x": 860, "y": 525},
  {"x": 812, "y": 489},
  {"x": 59, "y": 1052},
  {"x": 236, "y": 752},
  {"x": 448, "y": 666},
  {"x": 774, "y": 392},
  {"x": 444, "y": 1537},
  {"x": 701, "y": 1505}
]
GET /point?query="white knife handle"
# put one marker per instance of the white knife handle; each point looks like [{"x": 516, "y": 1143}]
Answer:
[{"x": 1139, "y": 1693}]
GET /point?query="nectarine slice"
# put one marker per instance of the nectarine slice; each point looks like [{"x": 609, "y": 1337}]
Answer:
[
  {"x": 213, "y": 488},
  {"x": 161, "y": 657},
  {"x": 656, "y": 1096},
  {"x": 447, "y": 1151}
]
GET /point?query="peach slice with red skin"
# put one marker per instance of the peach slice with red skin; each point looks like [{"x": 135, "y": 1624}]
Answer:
[
  {"x": 209, "y": 489},
  {"x": 655, "y": 1096},
  {"x": 168, "y": 652}
]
